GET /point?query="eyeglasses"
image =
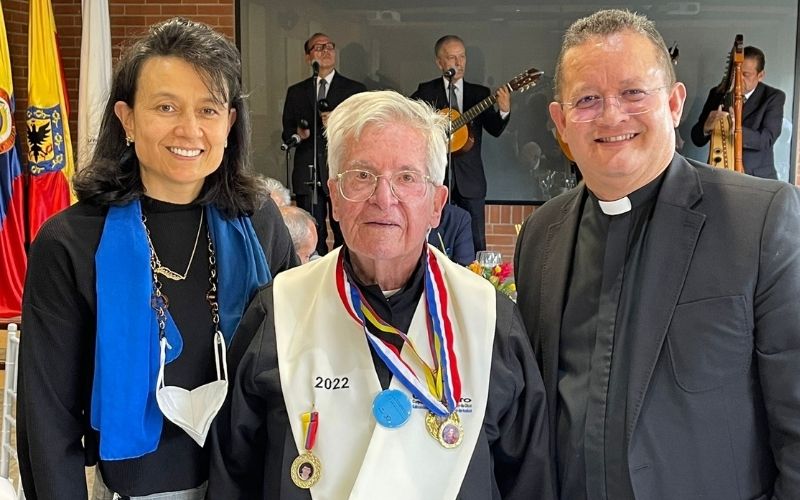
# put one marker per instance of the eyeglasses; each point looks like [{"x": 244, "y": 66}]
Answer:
[
  {"x": 359, "y": 185},
  {"x": 319, "y": 47},
  {"x": 630, "y": 102}
]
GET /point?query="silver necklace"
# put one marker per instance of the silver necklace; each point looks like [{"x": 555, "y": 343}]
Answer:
[
  {"x": 164, "y": 270},
  {"x": 159, "y": 301}
]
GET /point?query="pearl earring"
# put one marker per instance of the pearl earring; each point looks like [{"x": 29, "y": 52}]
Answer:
[{"x": 128, "y": 141}]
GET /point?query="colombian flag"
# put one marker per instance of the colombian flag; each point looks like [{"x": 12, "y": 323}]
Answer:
[
  {"x": 12, "y": 232},
  {"x": 50, "y": 157}
]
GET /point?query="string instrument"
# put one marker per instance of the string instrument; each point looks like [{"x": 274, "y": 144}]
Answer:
[
  {"x": 725, "y": 148},
  {"x": 461, "y": 138}
]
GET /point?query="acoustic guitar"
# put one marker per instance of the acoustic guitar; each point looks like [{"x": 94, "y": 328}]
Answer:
[{"x": 461, "y": 138}]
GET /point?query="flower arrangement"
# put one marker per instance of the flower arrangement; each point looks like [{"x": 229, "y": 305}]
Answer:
[{"x": 500, "y": 276}]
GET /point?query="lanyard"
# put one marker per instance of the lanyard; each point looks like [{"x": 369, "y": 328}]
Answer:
[{"x": 442, "y": 389}]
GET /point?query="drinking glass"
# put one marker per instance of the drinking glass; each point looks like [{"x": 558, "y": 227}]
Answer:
[{"x": 488, "y": 259}]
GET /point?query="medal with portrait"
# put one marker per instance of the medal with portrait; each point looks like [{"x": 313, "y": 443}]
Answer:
[
  {"x": 448, "y": 430},
  {"x": 306, "y": 470}
]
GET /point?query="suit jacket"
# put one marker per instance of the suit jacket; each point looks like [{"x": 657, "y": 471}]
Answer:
[
  {"x": 713, "y": 404},
  {"x": 762, "y": 118},
  {"x": 455, "y": 232},
  {"x": 300, "y": 101},
  {"x": 468, "y": 174}
]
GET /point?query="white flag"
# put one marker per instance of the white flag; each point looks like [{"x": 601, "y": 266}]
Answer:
[{"x": 95, "y": 80}]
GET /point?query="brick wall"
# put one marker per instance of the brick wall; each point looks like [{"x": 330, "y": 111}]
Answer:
[{"x": 501, "y": 235}]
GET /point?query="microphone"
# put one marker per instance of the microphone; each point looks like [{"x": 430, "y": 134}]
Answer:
[
  {"x": 323, "y": 105},
  {"x": 303, "y": 123},
  {"x": 450, "y": 73},
  {"x": 292, "y": 142},
  {"x": 315, "y": 67},
  {"x": 674, "y": 52}
]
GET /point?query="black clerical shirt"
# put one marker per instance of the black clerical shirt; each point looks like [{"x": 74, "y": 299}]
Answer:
[{"x": 593, "y": 354}]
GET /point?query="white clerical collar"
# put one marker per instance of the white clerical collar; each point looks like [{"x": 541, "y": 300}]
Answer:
[
  {"x": 389, "y": 293},
  {"x": 615, "y": 207}
]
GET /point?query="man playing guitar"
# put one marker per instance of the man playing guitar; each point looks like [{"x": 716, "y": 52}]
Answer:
[{"x": 469, "y": 180}]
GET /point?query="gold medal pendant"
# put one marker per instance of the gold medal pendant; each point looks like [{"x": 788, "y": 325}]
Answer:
[
  {"x": 306, "y": 470},
  {"x": 446, "y": 430},
  {"x": 432, "y": 424}
]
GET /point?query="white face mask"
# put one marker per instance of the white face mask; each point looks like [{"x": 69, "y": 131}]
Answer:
[{"x": 193, "y": 411}]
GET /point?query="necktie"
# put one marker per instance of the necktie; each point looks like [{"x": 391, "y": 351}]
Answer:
[
  {"x": 321, "y": 92},
  {"x": 453, "y": 91}
]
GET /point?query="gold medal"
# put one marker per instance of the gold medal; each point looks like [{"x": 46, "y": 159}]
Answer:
[
  {"x": 450, "y": 432},
  {"x": 306, "y": 470},
  {"x": 432, "y": 424},
  {"x": 447, "y": 430}
]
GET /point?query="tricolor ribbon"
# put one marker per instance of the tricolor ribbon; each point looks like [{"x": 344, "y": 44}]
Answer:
[{"x": 443, "y": 383}]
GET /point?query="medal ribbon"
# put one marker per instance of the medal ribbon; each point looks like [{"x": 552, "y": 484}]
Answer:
[
  {"x": 443, "y": 389},
  {"x": 310, "y": 421}
]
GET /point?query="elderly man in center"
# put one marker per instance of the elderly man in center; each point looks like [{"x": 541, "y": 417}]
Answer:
[{"x": 400, "y": 375}]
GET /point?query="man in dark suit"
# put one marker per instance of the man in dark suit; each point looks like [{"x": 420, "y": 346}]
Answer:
[
  {"x": 660, "y": 294},
  {"x": 762, "y": 117},
  {"x": 298, "y": 119},
  {"x": 469, "y": 180},
  {"x": 453, "y": 235}
]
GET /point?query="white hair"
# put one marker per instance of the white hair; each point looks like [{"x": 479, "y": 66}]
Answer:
[
  {"x": 382, "y": 109},
  {"x": 274, "y": 188},
  {"x": 299, "y": 222}
]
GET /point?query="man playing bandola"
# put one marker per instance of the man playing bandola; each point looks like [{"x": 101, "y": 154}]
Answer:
[{"x": 395, "y": 373}]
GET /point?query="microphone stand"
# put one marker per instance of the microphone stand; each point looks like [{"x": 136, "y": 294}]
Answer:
[
  {"x": 451, "y": 98},
  {"x": 288, "y": 174},
  {"x": 313, "y": 167}
]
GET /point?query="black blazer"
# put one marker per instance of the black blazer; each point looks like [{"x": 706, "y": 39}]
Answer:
[
  {"x": 455, "y": 233},
  {"x": 762, "y": 117},
  {"x": 300, "y": 101},
  {"x": 468, "y": 177},
  {"x": 714, "y": 382}
]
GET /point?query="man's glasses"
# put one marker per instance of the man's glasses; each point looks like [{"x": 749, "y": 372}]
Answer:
[
  {"x": 319, "y": 47},
  {"x": 359, "y": 185},
  {"x": 630, "y": 102}
]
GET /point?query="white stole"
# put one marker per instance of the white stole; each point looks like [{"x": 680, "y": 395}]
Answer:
[{"x": 320, "y": 345}]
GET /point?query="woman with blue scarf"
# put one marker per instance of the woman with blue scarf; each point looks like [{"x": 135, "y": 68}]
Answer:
[{"x": 133, "y": 293}]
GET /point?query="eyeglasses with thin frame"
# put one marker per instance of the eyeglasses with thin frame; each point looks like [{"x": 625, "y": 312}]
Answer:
[
  {"x": 319, "y": 47},
  {"x": 589, "y": 107},
  {"x": 359, "y": 185}
]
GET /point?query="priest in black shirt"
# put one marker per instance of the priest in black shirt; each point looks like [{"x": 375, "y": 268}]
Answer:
[
  {"x": 388, "y": 370},
  {"x": 660, "y": 294}
]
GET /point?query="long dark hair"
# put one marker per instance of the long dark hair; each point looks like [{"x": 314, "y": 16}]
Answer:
[{"x": 112, "y": 176}]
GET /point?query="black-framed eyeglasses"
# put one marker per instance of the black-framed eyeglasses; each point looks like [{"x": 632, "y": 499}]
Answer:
[
  {"x": 319, "y": 47},
  {"x": 630, "y": 102},
  {"x": 359, "y": 185}
]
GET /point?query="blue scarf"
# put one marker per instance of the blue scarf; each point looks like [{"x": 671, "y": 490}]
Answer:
[{"x": 124, "y": 408}]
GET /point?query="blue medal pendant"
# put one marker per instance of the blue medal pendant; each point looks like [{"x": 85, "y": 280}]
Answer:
[{"x": 391, "y": 408}]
